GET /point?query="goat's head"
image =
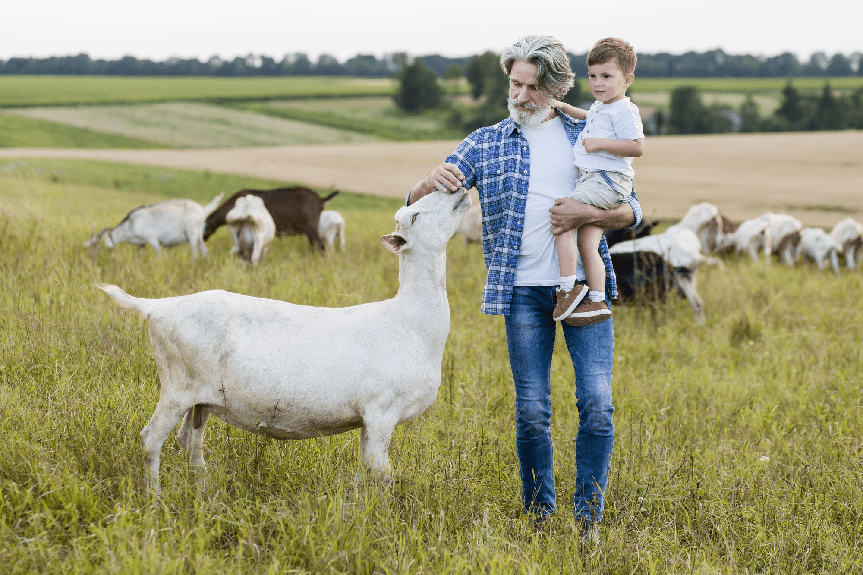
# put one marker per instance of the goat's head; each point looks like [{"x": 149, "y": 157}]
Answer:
[
  {"x": 102, "y": 235},
  {"x": 434, "y": 218}
]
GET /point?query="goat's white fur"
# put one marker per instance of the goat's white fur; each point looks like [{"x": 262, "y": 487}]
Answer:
[
  {"x": 848, "y": 233},
  {"x": 292, "y": 372},
  {"x": 680, "y": 247},
  {"x": 470, "y": 227},
  {"x": 818, "y": 246},
  {"x": 331, "y": 226},
  {"x": 251, "y": 226},
  {"x": 699, "y": 218},
  {"x": 167, "y": 223},
  {"x": 765, "y": 233}
]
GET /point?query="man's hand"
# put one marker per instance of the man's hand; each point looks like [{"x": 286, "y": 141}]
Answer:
[
  {"x": 568, "y": 214},
  {"x": 445, "y": 177}
]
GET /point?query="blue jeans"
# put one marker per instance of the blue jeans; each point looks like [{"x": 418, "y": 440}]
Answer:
[{"x": 530, "y": 334}]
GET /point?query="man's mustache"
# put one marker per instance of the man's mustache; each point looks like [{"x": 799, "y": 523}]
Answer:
[{"x": 527, "y": 105}]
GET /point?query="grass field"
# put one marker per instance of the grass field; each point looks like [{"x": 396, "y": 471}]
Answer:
[
  {"x": 194, "y": 125},
  {"x": 117, "y": 112},
  {"x": 739, "y": 444},
  {"x": 19, "y": 91}
]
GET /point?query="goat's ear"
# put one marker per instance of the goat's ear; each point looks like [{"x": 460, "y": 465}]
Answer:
[{"x": 394, "y": 242}]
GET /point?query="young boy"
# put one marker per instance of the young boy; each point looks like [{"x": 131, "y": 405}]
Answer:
[{"x": 612, "y": 136}]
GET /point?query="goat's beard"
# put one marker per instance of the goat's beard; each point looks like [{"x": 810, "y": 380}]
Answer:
[{"x": 530, "y": 118}]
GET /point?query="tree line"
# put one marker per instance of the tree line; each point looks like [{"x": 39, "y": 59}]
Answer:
[
  {"x": 709, "y": 64},
  {"x": 419, "y": 89}
]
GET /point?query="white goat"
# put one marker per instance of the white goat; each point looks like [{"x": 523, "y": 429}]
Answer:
[
  {"x": 817, "y": 245},
  {"x": 470, "y": 227},
  {"x": 168, "y": 223},
  {"x": 331, "y": 225},
  {"x": 681, "y": 250},
  {"x": 251, "y": 226},
  {"x": 772, "y": 233},
  {"x": 849, "y": 235},
  {"x": 705, "y": 221},
  {"x": 293, "y": 372}
]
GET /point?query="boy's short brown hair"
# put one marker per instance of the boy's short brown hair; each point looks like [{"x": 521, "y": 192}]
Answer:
[{"x": 609, "y": 49}]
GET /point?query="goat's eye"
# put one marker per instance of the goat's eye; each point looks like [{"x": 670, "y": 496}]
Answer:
[{"x": 414, "y": 218}]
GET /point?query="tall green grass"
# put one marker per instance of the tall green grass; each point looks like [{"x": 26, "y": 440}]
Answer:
[{"x": 739, "y": 444}]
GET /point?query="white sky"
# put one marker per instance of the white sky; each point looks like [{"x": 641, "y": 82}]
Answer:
[{"x": 160, "y": 29}]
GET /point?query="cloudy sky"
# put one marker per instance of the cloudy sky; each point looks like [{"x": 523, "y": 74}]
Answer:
[{"x": 161, "y": 29}]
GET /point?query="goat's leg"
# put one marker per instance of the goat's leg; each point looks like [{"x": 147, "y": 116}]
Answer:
[
  {"x": 184, "y": 434},
  {"x": 196, "y": 444},
  {"x": 153, "y": 437},
  {"x": 154, "y": 243},
  {"x": 375, "y": 445}
]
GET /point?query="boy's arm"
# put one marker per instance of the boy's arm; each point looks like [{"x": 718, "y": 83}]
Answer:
[
  {"x": 576, "y": 113},
  {"x": 621, "y": 148}
]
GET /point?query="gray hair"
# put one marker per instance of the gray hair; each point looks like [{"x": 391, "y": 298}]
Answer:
[{"x": 553, "y": 74}]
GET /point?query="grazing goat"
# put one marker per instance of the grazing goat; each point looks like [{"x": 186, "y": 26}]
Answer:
[
  {"x": 773, "y": 233},
  {"x": 679, "y": 250},
  {"x": 849, "y": 235},
  {"x": 289, "y": 371},
  {"x": 816, "y": 245},
  {"x": 331, "y": 226},
  {"x": 470, "y": 227},
  {"x": 168, "y": 223},
  {"x": 709, "y": 225},
  {"x": 295, "y": 211},
  {"x": 251, "y": 226}
]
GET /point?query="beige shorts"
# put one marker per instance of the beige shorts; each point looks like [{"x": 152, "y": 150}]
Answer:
[{"x": 593, "y": 189}]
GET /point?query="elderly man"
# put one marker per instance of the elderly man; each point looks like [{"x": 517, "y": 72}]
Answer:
[{"x": 523, "y": 169}]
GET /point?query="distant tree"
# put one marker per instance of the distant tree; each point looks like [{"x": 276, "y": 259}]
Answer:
[
  {"x": 687, "y": 114},
  {"x": 327, "y": 65},
  {"x": 749, "y": 117},
  {"x": 839, "y": 66},
  {"x": 817, "y": 65},
  {"x": 301, "y": 65},
  {"x": 791, "y": 108},
  {"x": 418, "y": 88},
  {"x": 482, "y": 70},
  {"x": 829, "y": 112}
]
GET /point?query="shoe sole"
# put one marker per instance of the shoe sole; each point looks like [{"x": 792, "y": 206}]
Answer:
[
  {"x": 578, "y": 299},
  {"x": 588, "y": 318}
]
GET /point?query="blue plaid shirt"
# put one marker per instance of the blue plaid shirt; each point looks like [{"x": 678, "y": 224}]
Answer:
[{"x": 496, "y": 160}]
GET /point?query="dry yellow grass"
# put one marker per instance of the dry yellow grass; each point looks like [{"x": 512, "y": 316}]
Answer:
[{"x": 815, "y": 176}]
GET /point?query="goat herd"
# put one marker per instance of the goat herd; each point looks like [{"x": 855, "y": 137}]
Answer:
[
  {"x": 254, "y": 217},
  {"x": 648, "y": 266},
  {"x": 290, "y": 371}
]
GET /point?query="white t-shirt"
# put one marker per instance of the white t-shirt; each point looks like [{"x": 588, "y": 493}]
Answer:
[
  {"x": 619, "y": 120},
  {"x": 552, "y": 176}
]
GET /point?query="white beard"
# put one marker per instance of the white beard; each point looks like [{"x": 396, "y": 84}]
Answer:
[{"x": 530, "y": 118}]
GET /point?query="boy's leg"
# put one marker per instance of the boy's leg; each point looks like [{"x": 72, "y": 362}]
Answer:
[
  {"x": 570, "y": 293},
  {"x": 594, "y": 309},
  {"x": 589, "y": 237}
]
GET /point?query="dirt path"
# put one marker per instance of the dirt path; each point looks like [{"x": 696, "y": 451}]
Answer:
[{"x": 817, "y": 177}]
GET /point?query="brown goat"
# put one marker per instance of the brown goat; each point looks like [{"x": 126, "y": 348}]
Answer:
[{"x": 294, "y": 210}]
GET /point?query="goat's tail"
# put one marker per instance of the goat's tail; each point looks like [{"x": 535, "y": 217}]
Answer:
[
  {"x": 330, "y": 197},
  {"x": 211, "y": 207},
  {"x": 125, "y": 300}
]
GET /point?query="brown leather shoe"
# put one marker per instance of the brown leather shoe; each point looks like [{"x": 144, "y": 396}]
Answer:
[
  {"x": 589, "y": 312},
  {"x": 568, "y": 300}
]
